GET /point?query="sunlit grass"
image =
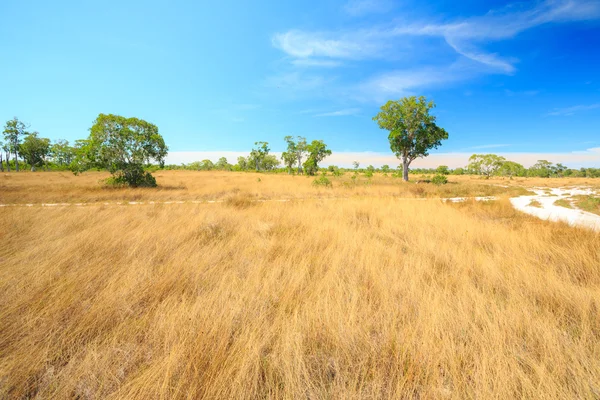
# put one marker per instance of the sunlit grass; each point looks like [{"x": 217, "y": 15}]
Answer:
[{"x": 364, "y": 296}]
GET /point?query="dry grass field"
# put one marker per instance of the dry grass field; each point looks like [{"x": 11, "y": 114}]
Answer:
[{"x": 350, "y": 292}]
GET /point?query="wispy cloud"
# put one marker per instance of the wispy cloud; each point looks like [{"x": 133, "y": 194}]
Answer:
[
  {"x": 467, "y": 37},
  {"x": 311, "y": 62},
  {"x": 568, "y": 111},
  {"x": 363, "y": 7},
  {"x": 339, "y": 113}
]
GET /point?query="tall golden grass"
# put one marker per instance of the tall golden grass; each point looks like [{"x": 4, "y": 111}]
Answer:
[{"x": 358, "y": 297}]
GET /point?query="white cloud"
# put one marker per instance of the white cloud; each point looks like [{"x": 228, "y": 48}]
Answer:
[
  {"x": 463, "y": 35},
  {"x": 568, "y": 111},
  {"x": 339, "y": 113}
]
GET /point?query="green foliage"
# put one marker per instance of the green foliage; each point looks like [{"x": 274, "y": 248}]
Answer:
[
  {"x": 123, "y": 145},
  {"x": 295, "y": 152},
  {"x": 35, "y": 150},
  {"x": 511, "y": 168},
  {"x": 322, "y": 181},
  {"x": 385, "y": 168},
  {"x": 62, "y": 153},
  {"x": 412, "y": 129},
  {"x": 355, "y": 164},
  {"x": 442, "y": 170},
  {"x": 132, "y": 175},
  {"x": 258, "y": 154},
  {"x": 485, "y": 164},
  {"x": 13, "y": 131},
  {"x": 439, "y": 180},
  {"x": 317, "y": 151},
  {"x": 223, "y": 165}
]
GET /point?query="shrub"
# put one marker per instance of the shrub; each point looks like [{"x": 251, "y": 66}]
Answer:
[
  {"x": 439, "y": 180},
  {"x": 133, "y": 176},
  {"x": 322, "y": 181}
]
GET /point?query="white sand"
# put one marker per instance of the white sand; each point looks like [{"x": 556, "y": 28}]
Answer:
[{"x": 548, "y": 211}]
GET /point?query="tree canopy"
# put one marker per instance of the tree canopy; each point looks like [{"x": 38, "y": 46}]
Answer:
[
  {"x": 412, "y": 129},
  {"x": 123, "y": 145},
  {"x": 35, "y": 150},
  {"x": 317, "y": 151}
]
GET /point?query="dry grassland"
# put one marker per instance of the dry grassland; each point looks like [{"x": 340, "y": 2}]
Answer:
[{"x": 366, "y": 296}]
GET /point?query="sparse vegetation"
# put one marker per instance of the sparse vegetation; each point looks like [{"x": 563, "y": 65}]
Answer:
[
  {"x": 535, "y": 203},
  {"x": 366, "y": 295},
  {"x": 588, "y": 203},
  {"x": 563, "y": 203}
]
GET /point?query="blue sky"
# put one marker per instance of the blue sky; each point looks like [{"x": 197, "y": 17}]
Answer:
[{"x": 519, "y": 79}]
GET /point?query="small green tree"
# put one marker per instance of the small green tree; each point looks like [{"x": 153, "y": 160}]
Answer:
[
  {"x": 485, "y": 164},
  {"x": 258, "y": 154},
  {"x": 295, "y": 150},
  {"x": 511, "y": 168},
  {"x": 385, "y": 168},
  {"x": 123, "y": 146},
  {"x": 442, "y": 170},
  {"x": 317, "y": 151},
  {"x": 62, "y": 153},
  {"x": 223, "y": 165},
  {"x": 412, "y": 129},
  {"x": 14, "y": 130},
  {"x": 35, "y": 150}
]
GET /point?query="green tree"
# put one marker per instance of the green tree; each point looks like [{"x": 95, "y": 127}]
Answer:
[
  {"x": 511, "y": 168},
  {"x": 223, "y": 165},
  {"x": 62, "y": 153},
  {"x": 385, "y": 168},
  {"x": 242, "y": 163},
  {"x": 123, "y": 146},
  {"x": 269, "y": 162},
  {"x": 355, "y": 164},
  {"x": 35, "y": 150},
  {"x": 317, "y": 151},
  {"x": 485, "y": 164},
  {"x": 442, "y": 170},
  {"x": 295, "y": 151},
  {"x": 258, "y": 154},
  {"x": 541, "y": 168},
  {"x": 14, "y": 130},
  {"x": 412, "y": 129}
]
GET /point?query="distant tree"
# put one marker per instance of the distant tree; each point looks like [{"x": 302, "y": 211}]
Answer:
[
  {"x": 485, "y": 164},
  {"x": 223, "y": 165},
  {"x": 258, "y": 154},
  {"x": 242, "y": 163},
  {"x": 123, "y": 146},
  {"x": 355, "y": 164},
  {"x": 35, "y": 150},
  {"x": 289, "y": 160},
  {"x": 413, "y": 131},
  {"x": 206, "y": 165},
  {"x": 1, "y": 157},
  {"x": 13, "y": 131},
  {"x": 385, "y": 168},
  {"x": 442, "y": 170},
  {"x": 61, "y": 152},
  {"x": 560, "y": 170},
  {"x": 296, "y": 150},
  {"x": 269, "y": 162},
  {"x": 511, "y": 168},
  {"x": 542, "y": 169},
  {"x": 317, "y": 151}
]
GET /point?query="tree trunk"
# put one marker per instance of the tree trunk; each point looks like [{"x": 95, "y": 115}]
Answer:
[
  {"x": 7, "y": 161},
  {"x": 1, "y": 163},
  {"x": 405, "y": 169},
  {"x": 32, "y": 168},
  {"x": 16, "y": 161}
]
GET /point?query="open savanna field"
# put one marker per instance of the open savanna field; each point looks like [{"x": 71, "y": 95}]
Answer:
[{"x": 368, "y": 289}]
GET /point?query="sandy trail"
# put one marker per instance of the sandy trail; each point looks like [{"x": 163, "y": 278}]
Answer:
[
  {"x": 548, "y": 211},
  {"x": 545, "y": 196}
]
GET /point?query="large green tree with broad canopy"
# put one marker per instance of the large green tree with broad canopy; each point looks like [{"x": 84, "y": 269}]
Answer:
[
  {"x": 413, "y": 131},
  {"x": 123, "y": 146}
]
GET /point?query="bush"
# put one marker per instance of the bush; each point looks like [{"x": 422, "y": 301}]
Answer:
[
  {"x": 322, "y": 181},
  {"x": 133, "y": 176},
  {"x": 439, "y": 180}
]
